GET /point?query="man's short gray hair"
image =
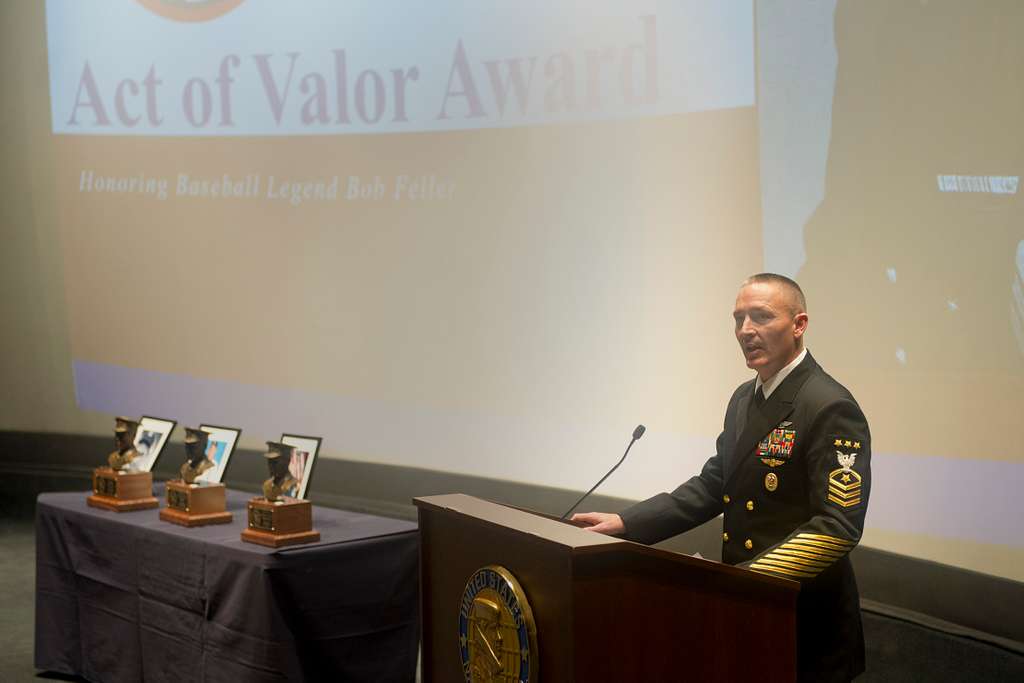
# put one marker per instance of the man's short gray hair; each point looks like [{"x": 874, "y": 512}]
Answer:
[{"x": 799, "y": 303}]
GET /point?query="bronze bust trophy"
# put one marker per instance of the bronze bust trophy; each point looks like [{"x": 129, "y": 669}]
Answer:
[
  {"x": 117, "y": 487},
  {"x": 279, "y": 456},
  {"x": 276, "y": 519},
  {"x": 124, "y": 440},
  {"x": 190, "y": 502},
  {"x": 196, "y": 462}
]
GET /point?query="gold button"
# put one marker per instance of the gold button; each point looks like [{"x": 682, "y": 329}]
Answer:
[
  {"x": 750, "y": 505},
  {"x": 726, "y": 498},
  {"x": 748, "y": 544},
  {"x": 725, "y": 537}
]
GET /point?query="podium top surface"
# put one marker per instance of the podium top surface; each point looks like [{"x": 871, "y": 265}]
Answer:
[{"x": 552, "y": 530}]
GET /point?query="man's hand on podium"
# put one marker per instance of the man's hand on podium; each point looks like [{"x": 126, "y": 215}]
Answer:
[{"x": 601, "y": 522}]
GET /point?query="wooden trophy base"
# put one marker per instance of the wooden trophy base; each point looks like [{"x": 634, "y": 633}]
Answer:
[
  {"x": 195, "y": 504},
  {"x": 122, "y": 491},
  {"x": 285, "y": 522}
]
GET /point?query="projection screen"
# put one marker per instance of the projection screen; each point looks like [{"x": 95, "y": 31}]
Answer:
[{"x": 491, "y": 239}]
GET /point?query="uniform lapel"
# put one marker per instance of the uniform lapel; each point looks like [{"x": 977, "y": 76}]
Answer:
[
  {"x": 753, "y": 425},
  {"x": 742, "y": 408}
]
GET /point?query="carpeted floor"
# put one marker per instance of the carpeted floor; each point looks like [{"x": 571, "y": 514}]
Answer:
[
  {"x": 902, "y": 652},
  {"x": 17, "y": 610}
]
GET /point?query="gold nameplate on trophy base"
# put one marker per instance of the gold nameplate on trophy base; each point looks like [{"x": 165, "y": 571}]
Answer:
[
  {"x": 195, "y": 504},
  {"x": 285, "y": 522},
  {"x": 122, "y": 491}
]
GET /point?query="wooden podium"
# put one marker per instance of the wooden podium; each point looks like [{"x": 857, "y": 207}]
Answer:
[{"x": 605, "y": 609}]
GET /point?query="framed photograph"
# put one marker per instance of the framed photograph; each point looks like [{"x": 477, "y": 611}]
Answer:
[
  {"x": 303, "y": 458},
  {"x": 150, "y": 440},
  {"x": 218, "y": 450}
]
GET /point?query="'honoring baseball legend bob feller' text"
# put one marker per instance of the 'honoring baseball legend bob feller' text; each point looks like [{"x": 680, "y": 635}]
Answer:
[{"x": 401, "y": 187}]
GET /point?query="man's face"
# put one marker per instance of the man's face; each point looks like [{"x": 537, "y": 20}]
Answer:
[{"x": 768, "y": 331}]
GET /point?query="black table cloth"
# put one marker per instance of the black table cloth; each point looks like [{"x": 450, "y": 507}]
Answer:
[{"x": 128, "y": 597}]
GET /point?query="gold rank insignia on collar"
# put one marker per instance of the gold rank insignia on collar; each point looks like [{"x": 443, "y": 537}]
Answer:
[{"x": 844, "y": 483}]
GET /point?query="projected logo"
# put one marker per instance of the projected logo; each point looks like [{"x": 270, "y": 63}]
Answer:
[
  {"x": 190, "y": 10},
  {"x": 989, "y": 184}
]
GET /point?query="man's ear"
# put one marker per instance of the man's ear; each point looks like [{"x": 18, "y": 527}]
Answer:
[{"x": 799, "y": 325}]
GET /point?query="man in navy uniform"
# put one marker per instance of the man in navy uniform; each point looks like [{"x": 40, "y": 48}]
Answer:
[{"x": 791, "y": 476}]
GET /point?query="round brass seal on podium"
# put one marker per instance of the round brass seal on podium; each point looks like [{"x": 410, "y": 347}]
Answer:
[{"x": 497, "y": 634}]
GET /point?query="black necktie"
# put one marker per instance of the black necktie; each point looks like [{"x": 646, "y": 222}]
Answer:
[{"x": 759, "y": 398}]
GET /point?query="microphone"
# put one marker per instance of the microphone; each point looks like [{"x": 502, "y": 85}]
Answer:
[{"x": 637, "y": 433}]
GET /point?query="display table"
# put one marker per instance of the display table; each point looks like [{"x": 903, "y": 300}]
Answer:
[{"x": 127, "y": 597}]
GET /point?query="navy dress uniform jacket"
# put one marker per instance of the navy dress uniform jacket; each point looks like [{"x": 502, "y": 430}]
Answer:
[{"x": 792, "y": 478}]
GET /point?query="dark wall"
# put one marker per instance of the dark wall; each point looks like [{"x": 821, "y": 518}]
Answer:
[{"x": 927, "y": 595}]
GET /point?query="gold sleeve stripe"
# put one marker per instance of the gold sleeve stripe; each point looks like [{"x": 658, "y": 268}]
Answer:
[
  {"x": 781, "y": 562},
  {"x": 822, "y": 537},
  {"x": 807, "y": 562},
  {"x": 813, "y": 553},
  {"x": 818, "y": 547},
  {"x": 825, "y": 551},
  {"x": 809, "y": 553},
  {"x": 824, "y": 559},
  {"x": 758, "y": 567},
  {"x": 764, "y": 569}
]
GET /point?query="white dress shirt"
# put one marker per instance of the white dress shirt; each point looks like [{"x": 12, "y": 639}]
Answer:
[{"x": 782, "y": 374}]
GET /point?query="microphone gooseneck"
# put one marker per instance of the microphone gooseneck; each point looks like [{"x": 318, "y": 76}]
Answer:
[{"x": 637, "y": 433}]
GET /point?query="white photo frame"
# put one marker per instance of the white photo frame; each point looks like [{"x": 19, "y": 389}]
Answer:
[
  {"x": 150, "y": 439},
  {"x": 219, "y": 447},
  {"x": 305, "y": 450}
]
